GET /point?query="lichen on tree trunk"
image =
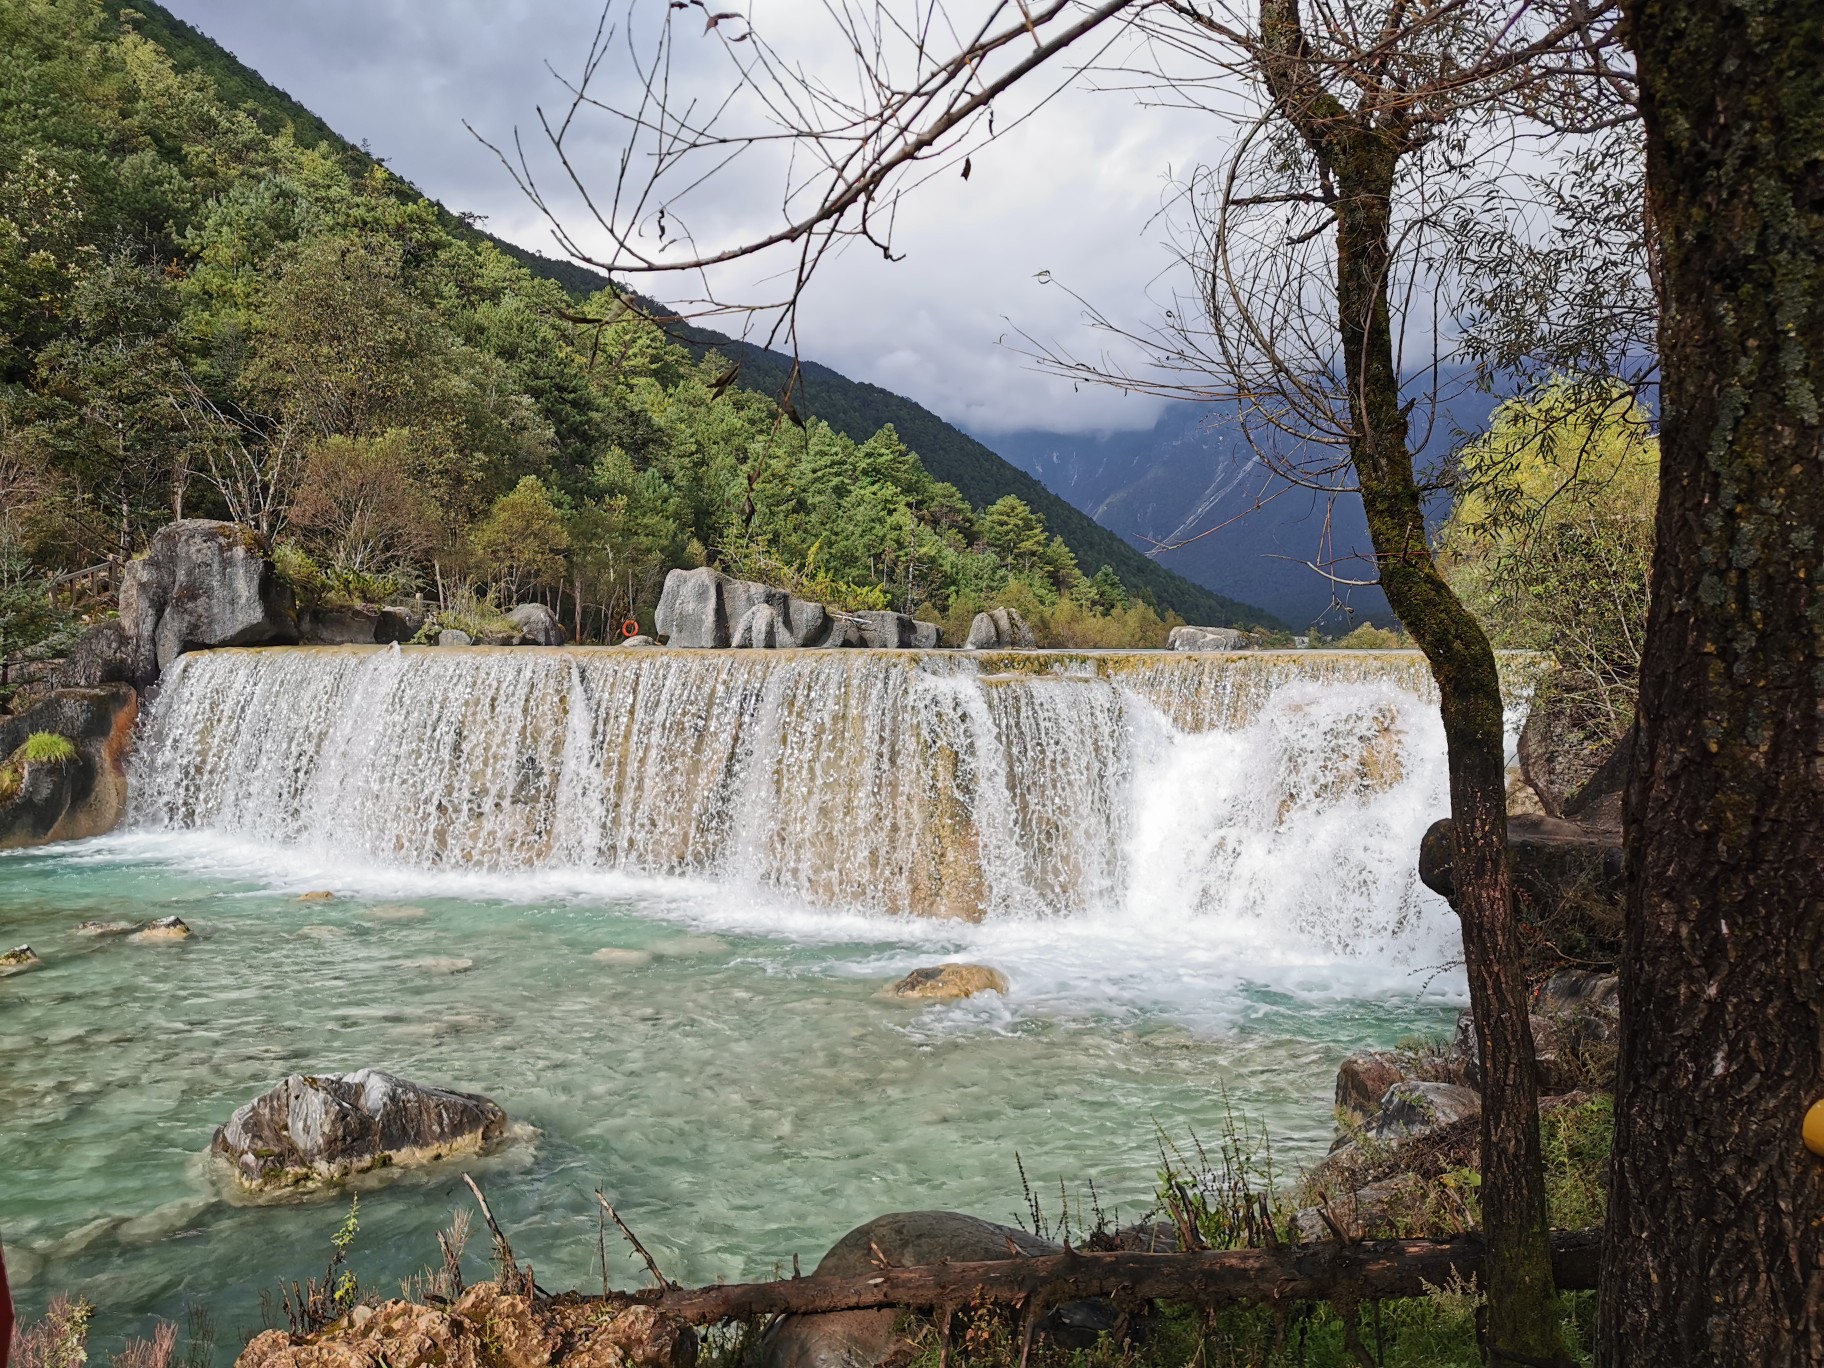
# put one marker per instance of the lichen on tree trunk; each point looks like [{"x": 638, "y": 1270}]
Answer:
[{"x": 1715, "y": 1249}]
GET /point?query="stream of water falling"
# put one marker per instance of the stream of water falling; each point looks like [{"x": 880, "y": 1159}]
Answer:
[{"x": 647, "y": 900}]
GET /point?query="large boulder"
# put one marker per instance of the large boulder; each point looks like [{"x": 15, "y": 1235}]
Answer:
[
  {"x": 1205, "y": 639},
  {"x": 885, "y": 630},
  {"x": 70, "y": 799},
  {"x": 702, "y": 608},
  {"x": 759, "y": 629},
  {"x": 1410, "y": 1109},
  {"x": 538, "y": 625},
  {"x": 999, "y": 629},
  {"x": 1567, "y": 883},
  {"x": 318, "y": 1129},
  {"x": 105, "y": 654},
  {"x": 338, "y": 626},
  {"x": 873, "y": 1339},
  {"x": 202, "y": 584}
]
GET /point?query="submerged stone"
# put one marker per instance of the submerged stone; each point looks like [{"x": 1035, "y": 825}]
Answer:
[
  {"x": 164, "y": 929},
  {"x": 19, "y": 959},
  {"x": 313, "y": 1130},
  {"x": 317, "y": 895},
  {"x": 948, "y": 982},
  {"x": 105, "y": 928}
]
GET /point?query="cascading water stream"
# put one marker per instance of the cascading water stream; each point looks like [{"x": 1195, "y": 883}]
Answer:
[{"x": 1275, "y": 796}]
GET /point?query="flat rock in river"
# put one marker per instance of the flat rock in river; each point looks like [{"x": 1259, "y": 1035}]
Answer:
[{"x": 313, "y": 1130}]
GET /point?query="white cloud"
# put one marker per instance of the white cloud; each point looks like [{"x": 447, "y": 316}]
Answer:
[{"x": 1070, "y": 192}]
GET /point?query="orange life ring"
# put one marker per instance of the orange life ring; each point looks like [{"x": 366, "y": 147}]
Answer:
[{"x": 630, "y": 628}]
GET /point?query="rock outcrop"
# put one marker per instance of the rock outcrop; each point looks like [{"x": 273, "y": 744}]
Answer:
[
  {"x": 949, "y": 982},
  {"x": 454, "y": 636},
  {"x": 1567, "y": 869},
  {"x": 202, "y": 584},
  {"x": 999, "y": 629},
  {"x": 538, "y": 625},
  {"x": 704, "y": 609},
  {"x": 318, "y": 1129},
  {"x": 759, "y": 629},
  {"x": 1205, "y": 639},
  {"x": 870, "y": 1339},
  {"x": 1410, "y": 1109},
  {"x": 70, "y": 799}
]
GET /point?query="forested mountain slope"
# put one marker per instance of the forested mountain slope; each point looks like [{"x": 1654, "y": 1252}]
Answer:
[{"x": 855, "y": 409}]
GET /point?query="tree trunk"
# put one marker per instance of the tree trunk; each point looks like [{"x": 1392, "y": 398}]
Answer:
[
  {"x": 1206, "y": 1278},
  {"x": 1715, "y": 1249},
  {"x": 1522, "y": 1302}
]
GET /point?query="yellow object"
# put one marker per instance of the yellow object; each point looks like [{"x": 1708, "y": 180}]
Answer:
[{"x": 1814, "y": 1129}]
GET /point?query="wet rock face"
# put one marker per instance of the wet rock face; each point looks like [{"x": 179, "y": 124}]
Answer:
[
  {"x": 70, "y": 799},
  {"x": 948, "y": 982},
  {"x": 1205, "y": 639},
  {"x": 317, "y": 1129},
  {"x": 202, "y": 584}
]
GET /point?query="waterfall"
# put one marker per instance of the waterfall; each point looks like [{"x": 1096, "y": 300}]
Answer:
[{"x": 1282, "y": 790}]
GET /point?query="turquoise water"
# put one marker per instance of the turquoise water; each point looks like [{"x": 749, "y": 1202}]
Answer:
[{"x": 727, "y": 1072}]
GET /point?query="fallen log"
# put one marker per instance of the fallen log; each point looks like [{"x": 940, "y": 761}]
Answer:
[{"x": 1362, "y": 1271}]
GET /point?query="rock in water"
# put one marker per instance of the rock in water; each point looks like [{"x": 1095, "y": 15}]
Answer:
[
  {"x": 948, "y": 982},
  {"x": 71, "y": 799},
  {"x": 454, "y": 636},
  {"x": 202, "y": 584},
  {"x": 19, "y": 959},
  {"x": 318, "y": 1129},
  {"x": 999, "y": 629},
  {"x": 164, "y": 929},
  {"x": 538, "y": 625},
  {"x": 1204, "y": 639},
  {"x": 759, "y": 629},
  {"x": 640, "y": 640}
]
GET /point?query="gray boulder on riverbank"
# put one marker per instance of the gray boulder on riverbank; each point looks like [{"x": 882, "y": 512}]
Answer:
[
  {"x": 999, "y": 629},
  {"x": 538, "y": 625},
  {"x": 704, "y": 609},
  {"x": 314, "y": 1130},
  {"x": 202, "y": 584},
  {"x": 1205, "y": 639}
]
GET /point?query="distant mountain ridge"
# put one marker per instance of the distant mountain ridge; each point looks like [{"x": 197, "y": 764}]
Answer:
[
  {"x": 1191, "y": 483},
  {"x": 854, "y": 408}
]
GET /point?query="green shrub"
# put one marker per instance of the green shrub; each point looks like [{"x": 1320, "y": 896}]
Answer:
[
  {"x": 46, "y": 748},
  {"x": 1368, "y": 637}
]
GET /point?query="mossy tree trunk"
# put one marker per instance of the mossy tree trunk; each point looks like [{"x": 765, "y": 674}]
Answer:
[
  {"x": 1715, "y": 1249},
  {"x": 1361, "y": 149}
]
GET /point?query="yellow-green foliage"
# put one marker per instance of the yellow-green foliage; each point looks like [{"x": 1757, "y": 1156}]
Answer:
[
  {"x": 46, "y": 748},
  {"x": 1551, "y": 539},
  {"x": 1575, "y": 1140},
  {"x": 1368, "y": 637}
]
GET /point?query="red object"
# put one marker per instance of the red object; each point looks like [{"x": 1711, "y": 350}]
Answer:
[
  {"x": 628, "y": 628},
  {"x": 6, "y": 1314}
]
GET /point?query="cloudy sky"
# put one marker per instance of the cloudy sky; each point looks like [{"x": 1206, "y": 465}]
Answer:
[{"x": 1070, "y": 192}]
